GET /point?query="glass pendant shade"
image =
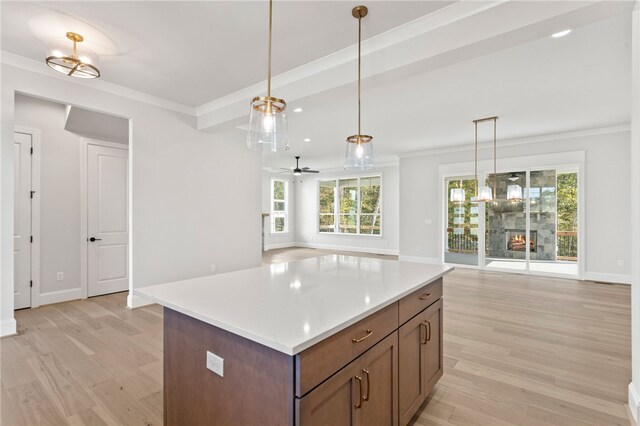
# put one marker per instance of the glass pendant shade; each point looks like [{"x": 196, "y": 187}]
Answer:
[
  {"x": 71, "y": 58},
  {"x": 359, "y": 154},
  {"x": 457, "y": 195},
  {"x": 484, "y": 194},
  {"x": 514, "y": 192},
  {"x": 268, "y": 125}
]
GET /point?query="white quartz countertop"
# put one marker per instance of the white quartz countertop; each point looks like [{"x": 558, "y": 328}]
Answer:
[{"x": 291, "y": 306}]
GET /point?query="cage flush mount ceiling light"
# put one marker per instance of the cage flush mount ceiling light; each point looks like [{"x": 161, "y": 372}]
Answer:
[
  {"x": 268, "y": 122},
  {"x": 359, "y": 154},
  {"x": 81, "y": 64}
]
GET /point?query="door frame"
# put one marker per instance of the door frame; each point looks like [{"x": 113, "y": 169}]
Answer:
[
  {"x": 84, "y": 207},
  {"x": 36, "y": 136}
]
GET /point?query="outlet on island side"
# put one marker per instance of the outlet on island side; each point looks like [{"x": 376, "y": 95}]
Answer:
[
  {"x": 215, "y": 364},
  {"x": 214, "y": 267},
  {"x": 620, "y": 263},
  {"x": 60, "y": 276}
]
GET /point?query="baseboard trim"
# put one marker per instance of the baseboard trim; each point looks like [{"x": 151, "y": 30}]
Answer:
[
  {"x": 420, "y": 259},
  {"x": 279, "y": 246},
  {"x": 634, "y": 402},
  {"x": 8, "y": 327},
  {"x": 134, "y": 301},
  {"x": 608, "y": 278},
  {"x": 59, "y": 296},
  {"x": 371, "y": 250}
]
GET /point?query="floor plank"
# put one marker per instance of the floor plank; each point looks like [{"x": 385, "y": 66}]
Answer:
[{"x": 519, "y": 350}]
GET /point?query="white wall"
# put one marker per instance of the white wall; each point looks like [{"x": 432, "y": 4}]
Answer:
[
  {"x": 59, "y": 192},
  {"x": 307, "y": 216},
  {"x": 279, "y": 240},
  {"x": 607, "y": 182},
  {"x": 191, "y": 205}
]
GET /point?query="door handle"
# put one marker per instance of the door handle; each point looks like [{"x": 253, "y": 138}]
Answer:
[
  {"x": 429, "y": 329},
  {"x": 92, "y": 239},
  {"x": 366, "y": 372},
  {"x": 423, "y": 341},
  {"x": 359, "y": 403}
]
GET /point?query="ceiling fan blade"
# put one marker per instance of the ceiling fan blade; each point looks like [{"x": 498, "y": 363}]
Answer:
[
  {"x": 282, "y": 168},
  {"x": 305, "y": 168},
  {"x": 310, "y": 171}
]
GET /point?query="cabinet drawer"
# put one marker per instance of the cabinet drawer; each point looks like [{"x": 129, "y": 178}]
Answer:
[
  {"x": 320, "y": 361},
  {"x": 410, "y": 305}
]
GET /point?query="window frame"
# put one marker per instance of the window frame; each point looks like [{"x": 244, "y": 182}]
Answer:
[
  {"x": 336, "y": 206},
  {"x": 279, "y": 213}
]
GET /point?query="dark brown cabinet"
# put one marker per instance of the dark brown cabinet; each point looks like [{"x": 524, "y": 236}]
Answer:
[
  {"x": 365, "y": 392},
  {"x": 421, "y": 364}
]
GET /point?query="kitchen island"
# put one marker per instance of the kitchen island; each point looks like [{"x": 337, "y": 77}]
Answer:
[{"x": 328, "y": 340}]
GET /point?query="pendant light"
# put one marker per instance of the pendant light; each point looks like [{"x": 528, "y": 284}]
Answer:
[
  {"x": 359, "y": 154},
  {"x": 484, "y": 193},
  {"x": 457, "y": 195},
  {"x": 81, "y": 64},
  {"x": 514, "y": 192},
  {"x": 267, "y": 120}
]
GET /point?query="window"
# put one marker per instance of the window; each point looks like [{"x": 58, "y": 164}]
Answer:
[
  {"x": 350, "y": 206},
  {"x": 279, "y": 219}
]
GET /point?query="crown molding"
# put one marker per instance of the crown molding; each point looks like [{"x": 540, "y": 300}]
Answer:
[
  {"x": 521, "y": 141},
  {"x": 28, "y": 64}
]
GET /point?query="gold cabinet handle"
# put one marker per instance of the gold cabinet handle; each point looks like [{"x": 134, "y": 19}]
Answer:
[
  {"x": 358, "y": 340},
  {"x": 426, "y": 332},
  {"x": 366, "y": 372},
  {"x": 425, "y": 296},
  {"x": 429, "y": 331},
  {"x": 359, "y": 403}
]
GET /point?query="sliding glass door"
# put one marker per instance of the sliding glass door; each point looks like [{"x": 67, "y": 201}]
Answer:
[{"x": 531, "y": 226}]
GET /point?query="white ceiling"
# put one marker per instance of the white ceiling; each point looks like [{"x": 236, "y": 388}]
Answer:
[{"x": 194, "y": 52}]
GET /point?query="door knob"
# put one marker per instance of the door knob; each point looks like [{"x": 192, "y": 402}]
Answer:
[{"x": 92, "y": 239}]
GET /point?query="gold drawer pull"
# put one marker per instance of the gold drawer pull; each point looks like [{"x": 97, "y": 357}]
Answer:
[
  {"x": 366, "y": 372},
  {"x": 369, "y": 333},
  {"x": 425, "y": 296},
  {"x": 359, "y": 403},
  {"x": 426, "y": 332}
]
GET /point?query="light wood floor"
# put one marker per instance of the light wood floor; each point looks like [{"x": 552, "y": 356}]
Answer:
[{"x": 518, "y": 350}]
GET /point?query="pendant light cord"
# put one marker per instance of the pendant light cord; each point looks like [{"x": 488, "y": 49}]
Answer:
[
  {"x": 270, "y": 31},
  {"x": 359, "y": 65}
]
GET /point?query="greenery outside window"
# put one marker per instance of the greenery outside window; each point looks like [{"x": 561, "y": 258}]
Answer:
[
  {"x": 350, "y": 206},
  {"x": 279, "y": 205}
]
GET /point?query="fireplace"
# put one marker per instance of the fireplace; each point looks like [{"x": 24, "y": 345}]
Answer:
[{"x": 516, "y": 241}]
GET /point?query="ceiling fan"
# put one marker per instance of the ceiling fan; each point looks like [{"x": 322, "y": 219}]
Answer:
[{"x": 299, "y": 171}]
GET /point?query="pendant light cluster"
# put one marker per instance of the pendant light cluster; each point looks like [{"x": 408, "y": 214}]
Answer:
[
  {"x": 267, "y": 121},
  {"x": 484, "y": 193},
  {"x": 83, "y": 64},
  {"x": 359, "y": 154}
]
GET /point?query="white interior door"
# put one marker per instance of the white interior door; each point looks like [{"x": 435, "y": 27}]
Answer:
[
  {"x": 108, "y": 228},
  {"x": 22, "y": 221}
]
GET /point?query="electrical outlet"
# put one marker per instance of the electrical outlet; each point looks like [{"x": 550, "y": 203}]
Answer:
[
  {"x": 215, "y": 364},
  {"x": 214, "y": 267},
  {"x": 428, "y": 221},
  {"x": 60, "y": 276},
  {"x": 418, "y": 248},
  {"x": 620, "y": 263}
]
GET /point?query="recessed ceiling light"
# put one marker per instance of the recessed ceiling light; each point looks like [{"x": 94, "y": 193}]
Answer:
[
  {"x": 297, "y": 110},
  {"x": 307, "y": 140},
  {"x": 560, "y": 34}
]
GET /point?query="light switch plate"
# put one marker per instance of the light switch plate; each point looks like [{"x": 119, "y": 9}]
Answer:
[{"x": 215, "y": 364}]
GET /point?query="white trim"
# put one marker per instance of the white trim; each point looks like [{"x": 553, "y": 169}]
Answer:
[
  {"x": 279, "y": 246},
  {"x": 371, "y": 250},
  {"x": 8, "y": 327},
  {"x": 60, "y": 296},
  {"x": 420, "y": 259},
  {"x": 98, "y": 84},
  {"x": 607, "y": 278},
  {"x": 36, "y": 138},
  {"x": 548, "y": 137},
  {"x": 634, "y": 402},
  {"x": 131, "y": 298},
  {"x": 84, "y": 207},
  {"x": 134, "y": 301}
]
